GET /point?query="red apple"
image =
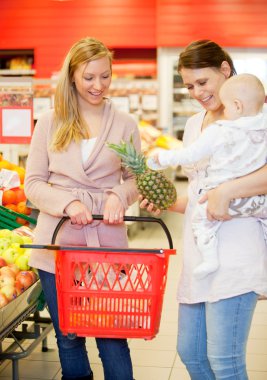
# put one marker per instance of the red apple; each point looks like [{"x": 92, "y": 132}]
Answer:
[
  {"x": 19, "y": 287},
  {"x": 9, "y": 291},
  {"x": 6, "y": 279},
  {"x": 4, "y": 271},
  {"x": 14, "y": 268},
  {"x": 3, "y": 300},
  {"x": 3, "y": 262},
  {"x": 25, "y": 278},
  {"x": 34, "y": 275}
]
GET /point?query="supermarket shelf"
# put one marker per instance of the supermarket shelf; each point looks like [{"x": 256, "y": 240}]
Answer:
[
  {"x": 16, "y": 72},
  {"x": 20, "y": 320}
]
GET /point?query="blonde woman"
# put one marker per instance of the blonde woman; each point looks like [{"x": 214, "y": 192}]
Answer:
[{"x": 70, "y": 172}]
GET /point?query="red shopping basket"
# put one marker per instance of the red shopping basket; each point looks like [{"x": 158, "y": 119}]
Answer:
[{"x": 111, "y": 292}]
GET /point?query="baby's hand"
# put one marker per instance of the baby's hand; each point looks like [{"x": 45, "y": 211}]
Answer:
[
  {"x": 154, "y": 164},
  {"x": 155, "y": 157}
]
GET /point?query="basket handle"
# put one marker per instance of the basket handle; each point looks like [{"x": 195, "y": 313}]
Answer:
[{"x": 126, "y": 219}]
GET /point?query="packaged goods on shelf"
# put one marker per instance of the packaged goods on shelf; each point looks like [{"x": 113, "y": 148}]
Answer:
[
  {"x": 43, "y": 96},
  {"x": 141, "y": 95},
  {"x": 15, "y": 92}
]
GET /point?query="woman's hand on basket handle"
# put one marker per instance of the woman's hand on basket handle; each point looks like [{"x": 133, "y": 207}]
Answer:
[
  {"x": 78, "y": 213},
  {"x": 113, "y": 210}
]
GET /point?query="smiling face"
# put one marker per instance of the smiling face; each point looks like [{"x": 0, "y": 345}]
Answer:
[
  {"x": 92, "y": 80},
  {"x": 204, "y": 85}
]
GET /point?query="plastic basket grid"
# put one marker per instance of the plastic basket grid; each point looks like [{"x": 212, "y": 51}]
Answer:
[{"x": 111, "y": 294}]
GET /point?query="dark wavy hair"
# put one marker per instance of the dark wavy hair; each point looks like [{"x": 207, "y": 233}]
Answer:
[{"x": 204, "y": 53}]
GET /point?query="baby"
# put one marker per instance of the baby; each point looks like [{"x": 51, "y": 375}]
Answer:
[{"x": 235, "y": 147}]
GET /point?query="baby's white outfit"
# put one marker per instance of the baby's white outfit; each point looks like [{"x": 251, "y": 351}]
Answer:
[{"x": 234, "y": 148}]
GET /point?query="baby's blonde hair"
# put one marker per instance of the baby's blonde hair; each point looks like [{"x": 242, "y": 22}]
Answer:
[
  {"x": 69, "y": 124},
  {"x": 248, "y": 89}
]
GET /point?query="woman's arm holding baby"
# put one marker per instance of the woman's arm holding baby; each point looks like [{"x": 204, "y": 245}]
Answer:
[{"x": 219, "y": 198}]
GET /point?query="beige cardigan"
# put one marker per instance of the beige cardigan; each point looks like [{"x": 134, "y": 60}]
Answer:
[{"x": 54, "y": 179}]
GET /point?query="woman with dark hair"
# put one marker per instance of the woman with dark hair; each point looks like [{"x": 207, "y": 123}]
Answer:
[{"x": 215, "y": 312}]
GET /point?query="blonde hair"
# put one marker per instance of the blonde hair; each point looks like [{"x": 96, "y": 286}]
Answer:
[{"x": 69, "y": 124}]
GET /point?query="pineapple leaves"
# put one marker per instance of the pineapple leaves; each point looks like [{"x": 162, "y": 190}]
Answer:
[
  {"x": 153, "y": 186},
  {"x": 129, "y": 156}
]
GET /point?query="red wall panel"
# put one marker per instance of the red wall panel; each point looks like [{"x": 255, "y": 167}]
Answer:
[
  {"x": 235, "y": 23},
  {"x": 50, "y": 27}
]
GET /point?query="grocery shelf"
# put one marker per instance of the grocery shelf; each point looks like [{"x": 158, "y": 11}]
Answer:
[{"x": 19, "y": 72}]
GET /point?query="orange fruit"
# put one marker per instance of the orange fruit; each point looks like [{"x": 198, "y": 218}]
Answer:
[
  {"x": 22, "y": 221},
  {"x": 9, "y": 196},
  {"x": 11, "y": 207},
  {"x": 20, "y": 195},
  {"x": 23, "y": 209}
]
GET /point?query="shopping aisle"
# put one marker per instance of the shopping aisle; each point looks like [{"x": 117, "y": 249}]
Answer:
[{"x": 155, "y": 359}]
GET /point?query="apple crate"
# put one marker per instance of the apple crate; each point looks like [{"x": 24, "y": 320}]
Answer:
[{"x": 14, "y": 312}]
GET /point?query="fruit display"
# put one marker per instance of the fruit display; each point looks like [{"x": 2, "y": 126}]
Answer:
[
  {"x": 15, "y": 273},
  {"x": 12, "y": 189},
  {"x": 152, "y": 185}
]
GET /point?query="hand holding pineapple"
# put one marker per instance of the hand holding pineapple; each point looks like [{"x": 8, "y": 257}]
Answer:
[{"x": 152, "y": 185}]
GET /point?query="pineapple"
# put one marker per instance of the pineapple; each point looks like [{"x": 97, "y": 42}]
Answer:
[{"x": 152, "y": 185}]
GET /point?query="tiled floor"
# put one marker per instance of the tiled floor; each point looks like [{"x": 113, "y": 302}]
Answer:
[{"x": 155, "y": 359}]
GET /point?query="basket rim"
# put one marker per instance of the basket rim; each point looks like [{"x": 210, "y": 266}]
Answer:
[{"x": 56, "y": 247}]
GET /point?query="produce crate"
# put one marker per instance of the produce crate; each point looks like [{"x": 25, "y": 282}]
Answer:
[
  {"x": 12, "y": 314},
  {"x": 8, "y": 219}
]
